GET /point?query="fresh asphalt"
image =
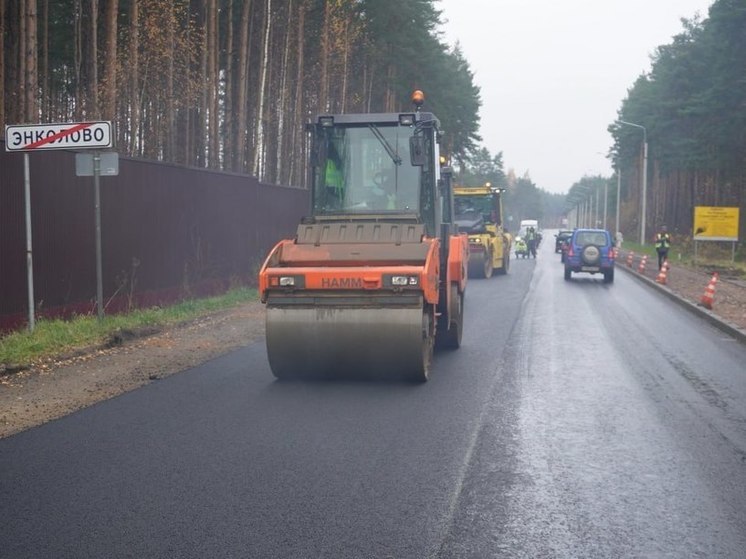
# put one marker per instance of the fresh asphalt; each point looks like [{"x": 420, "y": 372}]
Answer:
[{"x": 578, "y": 419}]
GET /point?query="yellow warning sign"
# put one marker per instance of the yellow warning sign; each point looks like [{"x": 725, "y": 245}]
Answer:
[{"x": 715, "y": 223}]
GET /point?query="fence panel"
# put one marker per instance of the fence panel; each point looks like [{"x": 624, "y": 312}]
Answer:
[{"x": 168, "y": 232}]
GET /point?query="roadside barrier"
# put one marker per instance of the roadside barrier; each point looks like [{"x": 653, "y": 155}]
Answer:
[
  {"x": 630, "y": 258},
  {"x": 708, "y": 298},
  {"x": 662, "y": 275},
  {"x": 643, "y": 262}
]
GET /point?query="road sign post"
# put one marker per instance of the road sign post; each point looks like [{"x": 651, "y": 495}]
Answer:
[
  {"x": 29, "y": 252},
  {"x": 99, "y": 267},
  {"x": 96, "y": 164},
  {"x": 78, "y": 135}
]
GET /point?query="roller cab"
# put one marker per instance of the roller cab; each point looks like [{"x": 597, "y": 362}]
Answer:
[
  {"x": 375, "y": 275},
  {"x": 479, "y": 214}
]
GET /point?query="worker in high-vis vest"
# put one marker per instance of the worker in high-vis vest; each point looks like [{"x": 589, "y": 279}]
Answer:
[
  {"x": 662, "y": 244},
  {"x": 333, "y": 177}
]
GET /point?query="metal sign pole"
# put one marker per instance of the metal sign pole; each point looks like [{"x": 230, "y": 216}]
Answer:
[
  {"x": 618, "y": 199},
  {"x": 29, "y": 253},
  {"x": 99, "y": 279}
]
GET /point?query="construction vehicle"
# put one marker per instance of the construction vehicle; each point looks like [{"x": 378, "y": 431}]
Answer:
[
  {"x": 376, "y": 274},
  {"x": 479, "y": 214}
]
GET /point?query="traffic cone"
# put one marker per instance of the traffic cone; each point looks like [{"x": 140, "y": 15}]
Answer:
[
  {"x": 708, "y": 298},
  {"x": 630, "y": 258},
  {"x": 641, "y": 267},
  {"x": 663, "y": 273}
]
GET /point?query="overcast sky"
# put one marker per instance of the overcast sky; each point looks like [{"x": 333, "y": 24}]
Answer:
[{"x": 553, "y": 74}]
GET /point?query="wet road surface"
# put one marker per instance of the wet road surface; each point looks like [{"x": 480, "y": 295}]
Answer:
[{"x": 578, "y": 419}]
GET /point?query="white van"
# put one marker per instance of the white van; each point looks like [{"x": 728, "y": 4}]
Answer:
[{"x": 525, "y": 224}]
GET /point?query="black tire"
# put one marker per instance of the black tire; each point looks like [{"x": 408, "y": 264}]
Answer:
[
  {"x": 428, "y": 344},
  {"x": 568, "y": 274},
  {"x": 609, "y": 276},
  {"x": 506, "y": 264},
  {"x": 488, "y": 268},
  {"x": 450, "y": 326},
  {"x": 481, "y": 268}
]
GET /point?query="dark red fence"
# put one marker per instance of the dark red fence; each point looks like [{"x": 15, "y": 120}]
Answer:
[{"x": 168, "y": 233}]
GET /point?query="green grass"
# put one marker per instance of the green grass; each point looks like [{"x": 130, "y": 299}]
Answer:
[
  {"x": 710, "y": 255},
  {"x": 55, "y": 337}
]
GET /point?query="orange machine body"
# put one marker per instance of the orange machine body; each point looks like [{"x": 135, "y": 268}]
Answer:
[{"x": 376, "y": 275}]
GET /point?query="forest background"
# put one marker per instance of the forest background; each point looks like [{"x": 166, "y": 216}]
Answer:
[{"x": 229, "y": 85}]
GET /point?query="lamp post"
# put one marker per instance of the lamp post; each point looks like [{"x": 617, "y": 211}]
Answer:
[
  {"x": 618, "y": 194},
  {"x": 606, "y": 200},
  {"x": 596, "y": 220},
  {"x": 644, "y": 176}
]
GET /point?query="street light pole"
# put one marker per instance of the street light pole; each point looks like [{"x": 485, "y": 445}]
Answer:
[
  {"x": 595, "y": 208},
  {"x": 618, "y": 195},
  {"x": 644, "y": 176}
]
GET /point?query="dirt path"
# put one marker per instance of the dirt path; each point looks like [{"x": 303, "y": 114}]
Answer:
[{"x": 58, "y": 387}]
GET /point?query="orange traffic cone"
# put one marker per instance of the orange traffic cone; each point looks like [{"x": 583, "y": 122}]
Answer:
[
  {"x": 663, "y": 273},
  {"x": 708, "y": 298},
  {"x": 630, "y": 258},
  {"x": 641, "y": 267}
]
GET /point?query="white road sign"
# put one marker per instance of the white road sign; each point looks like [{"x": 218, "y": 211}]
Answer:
[{"x": 74, "y": 135}]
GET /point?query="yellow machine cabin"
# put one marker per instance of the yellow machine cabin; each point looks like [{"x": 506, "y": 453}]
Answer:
[{"x": 479, "y": 214}]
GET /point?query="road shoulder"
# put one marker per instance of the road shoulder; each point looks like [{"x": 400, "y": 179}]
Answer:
[{"x": 57, "y": 387}]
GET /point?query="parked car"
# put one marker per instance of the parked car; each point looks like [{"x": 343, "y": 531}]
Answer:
[
  {"x": 591, "y": 251},
  {"x": 560, "y": 239}
]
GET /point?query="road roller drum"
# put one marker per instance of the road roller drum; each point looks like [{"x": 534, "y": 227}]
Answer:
[{"x": 348, "y": 342}]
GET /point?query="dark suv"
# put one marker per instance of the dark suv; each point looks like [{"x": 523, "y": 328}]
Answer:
[
  {"x": 592, "y": 251},
  {"x": 560, "y": 239}
]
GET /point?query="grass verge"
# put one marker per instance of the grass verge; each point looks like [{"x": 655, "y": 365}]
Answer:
[
  {"x": 710, "y": 256},
  {"x": 55, "y": 337}
]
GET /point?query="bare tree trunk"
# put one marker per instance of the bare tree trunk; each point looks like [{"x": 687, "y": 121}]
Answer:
[
  {"x": 228, "y": 121},
  {"x": 94, "y": 111},
  {"x": 323, "y": 105},
  {"x": 171, "y": 142},
  {"x": 31, "y": 56},
  {"x": 295, "y": 174},
  {"x": 346, "y": 60},
  {"x": 283, "y": 101},
  {"x": 202, "y": 119},
  {"x": 211, "y": 84},
  {"x": 2, "y": 64},
  {"x": 22, "y": 75},
  {"x": 260, "y": 147},
  {"x": 189, "y": 114},
  {"x": 134, "y": 77},
  {"x": 243, "y": 63},
  {"x": 390, "y": 104},
  {"x": 110, "y": 67},
  {"x": 78, "y": 64},
  {"x": 45, "y": 101},
  {"x": 369, "y": 91}
]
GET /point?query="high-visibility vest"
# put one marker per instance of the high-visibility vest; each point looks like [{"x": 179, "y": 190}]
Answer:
[
  {"x": 662, "y": 240},
  {"x": 333, "y": 176}
]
